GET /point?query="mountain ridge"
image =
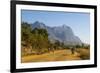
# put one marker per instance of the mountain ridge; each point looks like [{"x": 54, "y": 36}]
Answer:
[{"x": 62, "y": 33}]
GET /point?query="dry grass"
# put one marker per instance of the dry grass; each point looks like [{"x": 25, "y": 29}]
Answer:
[
  {"x": 58, "y": 55},
  {"x": 84, "y": 53}
]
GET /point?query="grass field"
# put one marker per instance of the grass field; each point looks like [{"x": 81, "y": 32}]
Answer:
[{"x": 58, "y": 55}]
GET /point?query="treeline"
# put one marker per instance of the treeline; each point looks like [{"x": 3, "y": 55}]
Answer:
[{"x": 35, "y": 41}]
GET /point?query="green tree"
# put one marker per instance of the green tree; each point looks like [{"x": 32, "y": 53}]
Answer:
[
  {"x": 41, "y": 41},
  {"x": 26, "y": 34}
]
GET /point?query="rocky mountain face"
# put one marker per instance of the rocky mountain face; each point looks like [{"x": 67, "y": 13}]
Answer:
[{"x": 61, "y": 33}]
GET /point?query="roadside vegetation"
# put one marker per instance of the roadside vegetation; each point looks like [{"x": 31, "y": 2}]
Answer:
[{"x": 35, "y": 47}]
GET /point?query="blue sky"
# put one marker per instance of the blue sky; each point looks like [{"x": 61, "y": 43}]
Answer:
[{"x": 79, "y": 22}]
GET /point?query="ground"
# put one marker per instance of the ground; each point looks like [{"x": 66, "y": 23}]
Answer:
[{"x": 58, "y": 55}]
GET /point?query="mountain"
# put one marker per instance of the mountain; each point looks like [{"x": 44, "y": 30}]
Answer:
[{"x": 61, "y": 33}]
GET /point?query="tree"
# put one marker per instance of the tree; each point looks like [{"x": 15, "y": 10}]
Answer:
[
  {"x": 41, "y": 40},
  {"x": 26, "y": 34}
]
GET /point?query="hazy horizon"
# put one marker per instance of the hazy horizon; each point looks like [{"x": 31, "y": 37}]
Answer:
[{"x": 78, "y": 22}]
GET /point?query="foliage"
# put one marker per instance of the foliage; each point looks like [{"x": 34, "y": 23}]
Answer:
[{"x": 36, "y": 41}]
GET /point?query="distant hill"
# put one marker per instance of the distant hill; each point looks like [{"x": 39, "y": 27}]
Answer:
[{"x": 61, "y": 33}]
